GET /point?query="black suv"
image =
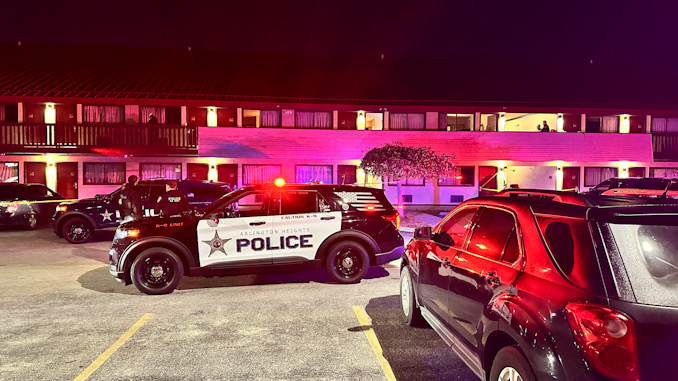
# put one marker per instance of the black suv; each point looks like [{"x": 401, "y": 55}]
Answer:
[
  {"x": 258, "y": 228},
  {"x": 77, "y": 221},
  {"x": 26, "y": 205},
  {"x": 547, "y": 285}
]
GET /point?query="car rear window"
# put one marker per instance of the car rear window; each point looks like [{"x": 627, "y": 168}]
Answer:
[
  {"x": 650, "y": 257},
  {"x": 205, "y": 191},
  {"x": 569, "y": 242},
  {"x": 10, "y": 193}
]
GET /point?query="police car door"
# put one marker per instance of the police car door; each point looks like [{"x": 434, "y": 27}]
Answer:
[
  {"x": 304, "y": 222},
  {"x": 240, "y": 235}
]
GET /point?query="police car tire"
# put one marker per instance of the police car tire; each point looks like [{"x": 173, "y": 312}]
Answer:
[
  {"x": 76, "y": 222},
  {"x": 510, "y": 363},
  {"x": 165, "y": 262},
  {"x": 341, "y": 253},
  {"x": 31, "y": 221}
]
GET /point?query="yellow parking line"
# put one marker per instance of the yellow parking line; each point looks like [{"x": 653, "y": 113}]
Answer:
[
  {"x": 365, "y": 321},
  {"x": 104, "y": 356}
]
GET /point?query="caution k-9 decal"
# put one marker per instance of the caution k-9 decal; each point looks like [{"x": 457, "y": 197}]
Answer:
[{"x": 264, "y": 238}]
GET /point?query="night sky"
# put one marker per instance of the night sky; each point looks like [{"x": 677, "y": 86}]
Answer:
[{"x": 546, "y": 31}]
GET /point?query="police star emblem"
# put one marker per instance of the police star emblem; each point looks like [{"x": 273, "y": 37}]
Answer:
[
  {"x": 217, "y": 244},
  {"x": 106, "y": 215}
]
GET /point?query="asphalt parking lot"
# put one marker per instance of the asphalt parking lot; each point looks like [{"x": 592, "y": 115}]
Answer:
[{"x": 65, "y": 318}]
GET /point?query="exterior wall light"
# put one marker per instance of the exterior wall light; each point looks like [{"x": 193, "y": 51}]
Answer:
[{"x": 211, "y": 117}]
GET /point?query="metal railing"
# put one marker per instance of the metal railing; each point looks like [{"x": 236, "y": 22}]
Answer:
[{"x": 98, "y": 136}]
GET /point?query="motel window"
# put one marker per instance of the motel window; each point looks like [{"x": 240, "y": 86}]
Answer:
[
  {"x": 103, "y": 173},
  {"x": 261, "y": 118},
  {"x": 260, "y": 174},
  {"x": 608, "y": 124},
  {"x": 664, "y": 125},
  {"x": 460, "y": 176},
  {"x": 2, "y": 113},
  {"x": 374, "y": 121},
  {"x": 313, "y": 119},
  {"x": 596, "y": 175},
  {"x": 103, "y": 114},
  {"x": 666, "y": 173},
  {"x": 407, "y": 121},
  {"x": 160, "y": 171},
  {"x": 9, "y": 172},
  {"x": 455, "y": 122},
  {"x": 145, "y": 113},
  {"x": 314, "y": 174},
  {"x": 346, "y": 174},
  {"x": 408, "y": 182}
]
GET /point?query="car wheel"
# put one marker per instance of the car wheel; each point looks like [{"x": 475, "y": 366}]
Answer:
[
  {"x": 410, "y": 309},
  {"x": 511, "y": 365},
  {"x": 346, "y": 262},
  {"x": 77, "y": 230},
  {"x": 157, "y": 271},
  {"x": 31, "y": 221}
]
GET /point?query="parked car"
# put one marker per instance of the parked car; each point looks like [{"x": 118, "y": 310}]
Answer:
[
  {"x": 637, "y": 186},
  {"x": 77, "y": 221},
  {"x": 342, "y": 228},
  {"x": 26, "y": 205},
  {"x": 547, "y": 285}
]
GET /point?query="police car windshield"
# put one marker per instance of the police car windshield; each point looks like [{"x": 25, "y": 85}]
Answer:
[{"x": 223, "y": 200}]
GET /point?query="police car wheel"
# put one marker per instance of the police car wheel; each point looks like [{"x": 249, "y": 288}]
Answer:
[
  {"x": 347, "y": 262},
  {"x": 31, "y": 221},
  {"x": 157, "y": 271},
  {"x": 76, "y": 230},
  {"x": 408, "y": 303}
]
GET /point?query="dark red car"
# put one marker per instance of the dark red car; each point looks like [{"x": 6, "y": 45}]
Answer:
[{"x": 546, "y": 285}]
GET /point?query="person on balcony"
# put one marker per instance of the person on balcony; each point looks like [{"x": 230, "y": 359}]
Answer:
[{"x": 152, "y": 119}]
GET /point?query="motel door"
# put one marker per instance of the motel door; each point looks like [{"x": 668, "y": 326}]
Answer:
[
  {"x": 571, "y": 178},
  {"x": 197, "y": 171},
  {"x": 487, "y": 183},
  {"x": 34, "y": 173},
  {"x": 67, "y": 180},
  {"x": 228, "y": 173}
]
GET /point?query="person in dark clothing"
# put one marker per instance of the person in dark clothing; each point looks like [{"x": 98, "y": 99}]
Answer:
[
  {"x": 545, "y": 127},
  {"x": 172, "y": 202},
  {"x": 130, "y": 200},
  {"x": 152, "y": 119}
]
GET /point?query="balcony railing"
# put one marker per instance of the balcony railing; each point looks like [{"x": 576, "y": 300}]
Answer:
[{"x": 150, "y": 139}]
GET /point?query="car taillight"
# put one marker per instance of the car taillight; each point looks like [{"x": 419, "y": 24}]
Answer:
[
  {"x": 11, "y": 208},
  {"x": 394, "y": 219},
  {"x": 607, "y": 339}
]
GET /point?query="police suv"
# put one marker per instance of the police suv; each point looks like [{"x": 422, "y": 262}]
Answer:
[
  {"x": 343, "y": 228},
  {"x": 76, "y": 221}
]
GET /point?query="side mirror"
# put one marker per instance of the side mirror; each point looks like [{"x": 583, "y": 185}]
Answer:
[{"x": 422, "y": 233}]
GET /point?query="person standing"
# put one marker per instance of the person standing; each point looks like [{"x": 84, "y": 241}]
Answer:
[
  {"x": 130, "y": 200},
  {"x": 545, "y": 127},
  {"x": 172, "y": 202}
]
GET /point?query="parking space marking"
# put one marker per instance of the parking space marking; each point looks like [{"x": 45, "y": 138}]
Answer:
[
  {"x": 104, "y": 356},
  {"x": 366, "y": 322}
]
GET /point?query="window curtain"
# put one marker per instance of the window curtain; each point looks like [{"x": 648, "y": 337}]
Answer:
[
  {"x": 304, "y": 119},
  {"x": 314, "y": 173},
  {"x": 9, "y": 172},
  {"x": 594, "y": 176},
  {"x": 2, "y": 113},
  {"x": 104, "y": 173},
  {"x": 666, "y": 173},
  {"x": 146, "y": 111},
  {"x": 610, "y": 124},
  {"x": 270, "y": 118},
  {"x": 442, "y": 122},
  {"x": 259, "y": 174},
  {"x": 397, "y": 121},
  {"x": 161, "y": 171},
  {"x": 103, "y": 114},
  {"x": 658, "y": 125},
  {"x": 416, "y": 122}
]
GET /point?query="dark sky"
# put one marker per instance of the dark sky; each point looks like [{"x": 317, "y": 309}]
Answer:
[{"x": 547, "y": 30}]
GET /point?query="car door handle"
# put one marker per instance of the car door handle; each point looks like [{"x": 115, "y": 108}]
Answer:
[
  {"x": 492, "y": 278},
  {"x": 257, "y": 223},
  {"x": 327, "y": 218}
]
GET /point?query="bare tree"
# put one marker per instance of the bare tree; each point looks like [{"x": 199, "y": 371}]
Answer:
[{"x": 398, "y": 162}]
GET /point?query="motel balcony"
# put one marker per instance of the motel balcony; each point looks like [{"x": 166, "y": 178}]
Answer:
[{"x": 107, "y": 139}]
